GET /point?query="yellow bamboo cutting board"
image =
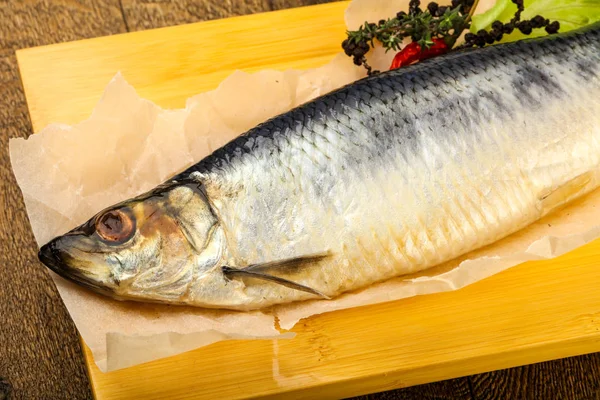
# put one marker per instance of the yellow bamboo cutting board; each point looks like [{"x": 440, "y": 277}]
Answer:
[{"x": 533, "y": 312}]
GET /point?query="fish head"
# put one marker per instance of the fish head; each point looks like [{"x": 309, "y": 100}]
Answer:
[{"x": 147, "y": 248}]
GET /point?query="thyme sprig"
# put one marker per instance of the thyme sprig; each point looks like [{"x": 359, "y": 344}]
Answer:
[{"x": 435, "y": 23}]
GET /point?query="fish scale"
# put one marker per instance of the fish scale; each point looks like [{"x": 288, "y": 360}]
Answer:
[{"x": 387, "y": 176}]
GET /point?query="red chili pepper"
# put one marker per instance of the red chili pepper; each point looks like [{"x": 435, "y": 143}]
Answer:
[
  {"x": 412, "y": 52},
  {"x": 438, "y": 47},
  {"x": 407, "y": 55}
]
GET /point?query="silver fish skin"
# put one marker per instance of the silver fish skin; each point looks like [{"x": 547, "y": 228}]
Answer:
[{"x": 393, "y": 174}]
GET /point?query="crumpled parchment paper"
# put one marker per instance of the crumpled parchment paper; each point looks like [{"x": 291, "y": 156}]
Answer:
[{"x": 129, "y": 145}]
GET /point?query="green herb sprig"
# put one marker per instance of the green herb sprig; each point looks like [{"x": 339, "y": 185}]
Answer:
[{"x": 435, "y": 22}]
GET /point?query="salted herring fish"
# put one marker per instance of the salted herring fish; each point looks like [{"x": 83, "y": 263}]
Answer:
[{"x": 387, "y": 176}]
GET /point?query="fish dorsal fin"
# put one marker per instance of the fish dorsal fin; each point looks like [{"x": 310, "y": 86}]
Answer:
[{"x": 261, "y": 271}]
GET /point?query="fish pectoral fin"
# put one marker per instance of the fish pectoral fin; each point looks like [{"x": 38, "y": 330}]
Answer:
[
  {"x": 556, "y": 197},
  {"x": 233, "y": 272},
  {"x": 288, "y": 264}
]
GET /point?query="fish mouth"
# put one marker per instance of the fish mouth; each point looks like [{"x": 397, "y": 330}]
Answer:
[{"x": 57, "y": 261}]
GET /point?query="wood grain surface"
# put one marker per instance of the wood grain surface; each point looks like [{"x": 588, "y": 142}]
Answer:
[
  {"x": 40, "y": 356},
  {"x": 147, "y": 14},
  {"x": 40, "y": 353},
  {"x": 569, "y": 378}
]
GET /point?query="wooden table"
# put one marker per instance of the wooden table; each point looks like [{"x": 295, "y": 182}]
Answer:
[{"x": 42, "y": 345}]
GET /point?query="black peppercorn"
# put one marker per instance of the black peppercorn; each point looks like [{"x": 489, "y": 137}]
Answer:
[
  {"x": 525, "y": 27},
  {"x": 497, "y": 25},
  {"x": 553, "y": 27},
  {"x": 496, "y": 35},
  {"x": 413, "y": 7},
  {"x": 538, "y": 21},
  {"x": 479, "y": 41},
  {"x": 432, "y": 7},
  {"x": 508, "y": 28}
]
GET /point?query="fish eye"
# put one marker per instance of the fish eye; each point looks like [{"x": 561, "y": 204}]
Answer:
[{"x": 115, "y": 226}]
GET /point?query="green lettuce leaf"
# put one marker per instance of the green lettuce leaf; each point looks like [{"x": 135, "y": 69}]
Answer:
[{"x": 571, "y": 14}]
